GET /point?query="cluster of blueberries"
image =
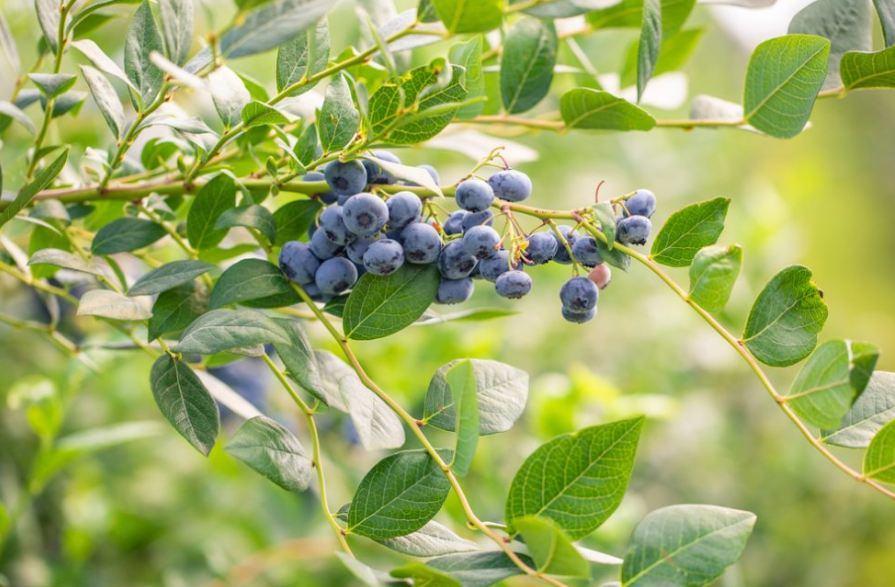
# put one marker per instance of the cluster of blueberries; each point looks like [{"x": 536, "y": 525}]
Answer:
[{"x": 359, "y": 232}]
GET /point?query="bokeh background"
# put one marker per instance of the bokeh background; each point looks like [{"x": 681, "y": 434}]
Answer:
[{"x": 154, "y": 512}]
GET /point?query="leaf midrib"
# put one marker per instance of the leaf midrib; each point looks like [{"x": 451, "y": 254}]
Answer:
[{"x": 785, "y": 82}]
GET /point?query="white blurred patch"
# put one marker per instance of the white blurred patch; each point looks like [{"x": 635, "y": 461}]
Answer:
[
  {"x": 476, "y": 145},
  {"x": 226, "y": 396},
  {"x": 667, "y": 92},
  {"x": 749, "y": 26}
]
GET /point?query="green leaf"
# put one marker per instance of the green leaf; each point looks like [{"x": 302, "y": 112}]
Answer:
[
  {"x": 126, "y": 234},
  {"x": 885, "y": 9},
  {"x": 501, "y": 392},
  {"x": 551, "y": 549},
  {"x": 605, "y": 215},
  {"x": 673, "y": 55},
  {"x": 688, "y": 230},
  {"x": 650, "y": 42},
  {"x": 64, "y": 259},
  {"x": 215, "y": 197},
  {"x": 468, "y": 55},
  {"x": 177, "y": 28},
  {"x": 293, "y": 58},
  {"x": 868, "y": 70},
  {"x": 832, "y": 379},
  {"x": 526, "y": 64},
  {"x": 879, "y": 460},
  {"x": 784, "y": 76},
  {"x": 101, "y": 61},
  {"x": 433, "y": 539},
  {"x": 254, "y": 216},
  {"x": 479, "y": 569},
  {"x": 299, "y": 359},
  {"x": 629, "y": 14},
  {"x": 185, "y": 402},
  {"x": 461, "y": 379},
  {"x": 106, "y": 99},
  {"x": 377, "y": 425},
  {"x": 169, "y": 276},
  {"x": 229, "y": 94},
  {"x": 143, "y": 37},
  {"x": 48, "y": 17},
  {"x": 414, "y": 175},
  {"x": 273, "y": 451},
  {"x": 873, "y": 409},
  {"x": 712, "y": 275},
  {"x": 16, "y": 113},
  {"x": 255, "y": 283},
  {"x": 587, "y": 108},
  {"x": 259, "y": 114},
  {"x": 685, "y": 546},
  {"x": 577, "y": 480},
  {"x": 223, "y": 330},
  {"x": 786, "y": 318},
  {"x": 398, "y": 496},
  {"x": 846, "y": 23},
  {"x": 421, "y": 574},
  {"x": 53, "y": 84},
  {"x": 419, "y": 86},
  {"x": 338, "y": 119},
  {"x": 44, "y": 178},
  {"x": 380, "y": 306},
  {"x": 469, "y": 16},
  {"x": 177, "y": 308},
  {"x": 109, "y": 304},
  {"x": 293, "y": 220}
]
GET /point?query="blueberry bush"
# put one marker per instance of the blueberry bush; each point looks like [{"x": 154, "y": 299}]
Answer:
[{"x": 346, "y": 236}]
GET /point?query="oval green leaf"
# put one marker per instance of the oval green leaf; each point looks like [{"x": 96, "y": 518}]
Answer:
[{"x": 185, "y": 402}]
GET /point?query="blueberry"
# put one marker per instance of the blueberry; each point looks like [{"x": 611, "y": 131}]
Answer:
[
  {"x": 298, "y": 262},
  {"x": 325, "y": 197},
  {"x": 314, "y": 292},
  {"x": 346, "y": 178},
  {"x": 454, "y": 291},
  {"x": 356, "y": 248},
  {"x": 396, "y": 234},
  {"x": 601, "y": 275},
  {"x": 454, "y": 262},
  {"x": 322, "y": 247},
  {"x": 384, "y": 257},
  {"x": 332, "y": 224},
  {"x": 336, "y": 275},
  {"x": 454, "y": 223},
  {"x": 365, "y": 214},
  {"x": 578, "y": 317},
  {"x": 496, "y": 265},
  {"x": 642, "y": 203},
  {"x": 474, "y": 195},
  {"x": 513, "y": 284},
  {"x": 404, "y": 208},
  {"x": 477, "y": 272},
  {"x": 376, "y": 173},
  {"x": 481, "y": 241},
  {"x": 422, "y": 243},
  {"x": 483, "y": 218},
  {"x": 633, "y": 230},
  {"x": 586, "y": 251},
  {"x": 562, "y": 254},
  {"x": 579, "y": 294},
  {"x": 510, "y": 185},
  {"x": 541, "y": 248}
]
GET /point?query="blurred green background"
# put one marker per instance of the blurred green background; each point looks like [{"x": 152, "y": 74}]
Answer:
[{"x": 154, "y": 512}]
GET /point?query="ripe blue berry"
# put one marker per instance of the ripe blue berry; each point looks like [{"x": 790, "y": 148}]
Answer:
[
  {"x": 510, "y": 185},
  {"x": 586, "y": 251},
  {"x": 454, "y": 291},
  {"x": 365, "y": 214},
  {"x": 454, "y": 262},
  {"x": 513, "y": 284},
  {"x": 642, "y": 203},
  {"x": 633, "y": 230},
  {"x": 332, "y": 224},
  {"x": 356, "y": 248},
  {"x": 322, "y": 247},
  {"x": 483, "y": 218},
  {"x": 298, "y": 262},
  {"x": 454, "y": 223},
  {"x": 578, "y": 317},
  {"x": 579, "y": 294},
  {"x": 541, "y": 248},
  {"x": 496, "y": 265},
  {"x": 346, "y": 178},
  {"x": 336, "y": 275},
  {"x": 474, "y": 195},
  {"x": 562, "y": 254},
  {"x": 422, "y": 243},
  {"x": 376, "y": 173},
  {"x": 325, "y": 197},
  {"x": 404, "y": 208},
  {"x": 384, "y": 257},
  {"x": 481, "y": 241}
]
